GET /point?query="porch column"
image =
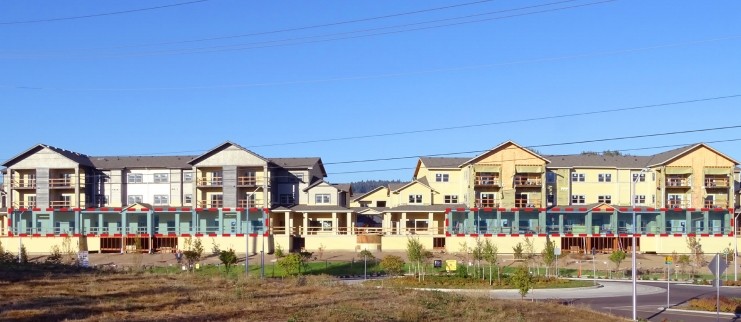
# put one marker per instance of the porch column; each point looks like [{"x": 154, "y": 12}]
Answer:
[
  {"x": 542, "y": 222},
  {"x": 350, "y": 224},
  {"x": 516, "y": 224},
  {"x": 588, "y": 222},
  {"x": 194, "y": 226},
  {"x": 637, "y": 228},
  {"x": 34, "y": 229},
  {"x": 177, "y": 223},
  {"x": 431, "y": 226},
  {"x": 306, "y": 224},
  {"x": 662, "y": 222},
  {"x": 403, "y": 224},
  {"x": 614, "y": 221},
  {"x": 335, "y": 226},
  {"x": 706, "y": 222},
  {"x": 472, "y": 223},
  {"x": 123, "y": 225},
  {"x": 386, "y": 223},
  {"x": 287, "y": 216},
  {"x": 150, "y": 224},
  {"x": 13, "y": 224},
  {"x": 53, "y": 226},
  {"x": 688, "y": 223},
  {"x": 220, "y": 231},
  {"x": 100, "y": 224},
  {"x": 560, "y": 223},
  {"x": 78, "y": 223}
]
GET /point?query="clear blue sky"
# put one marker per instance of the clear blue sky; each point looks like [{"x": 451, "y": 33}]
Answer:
[{"x": 88, "y": 85}]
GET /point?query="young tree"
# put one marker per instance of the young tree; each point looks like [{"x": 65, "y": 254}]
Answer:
[
  {"x": 522, "y": 280},
  {"x": 683, "y": 261},
  {"x": 491, "y": 254},
  {"x": 617, "y": 257},
  {"x": 194, "y": 253},
  {"x": 463, "y": 255},
  {"x": 549, "y": 255},
  {"x": 415, "y": 255},
  {"x": 291, "y": 264},
  {"x": 698, "y": 255},
  {"x": 478, "y": 254},
  {"x": 517, "y": 249},
  {"x": 228, "y": 258},
  {"x": 393, "y": 265}
]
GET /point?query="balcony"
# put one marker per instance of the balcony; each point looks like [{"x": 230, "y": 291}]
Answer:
[
  {"x": 715, "y": 204},
  {"x": 61, "y": 183},
  {"x": 24, "y": 204},
  {"x": 487, "y": 203},
  {"x": 678, "y": 204},
  {"x": 519, "y": 203},
  {"x": 205, "y": 182},
  {"x": 210, "y": 204},
  {"x": 486, "y": 181},
  {"x": 249, "y": 181},
  {"x": 711, "y": 183},
  {"x": 23, "y": 184},
  {"x": 678, "y": 183},
  {"x": 249, "y": 203},
  {"x": 60, "y": 203},
  {"x": 527, "y": 182}
]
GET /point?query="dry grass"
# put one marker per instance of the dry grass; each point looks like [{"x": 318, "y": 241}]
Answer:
[{"x": 162, "y": 297}]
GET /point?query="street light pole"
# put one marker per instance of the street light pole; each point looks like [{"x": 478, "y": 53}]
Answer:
[
  {"x": 633, "y": 239},
  {"x": 735, "y": 248}
]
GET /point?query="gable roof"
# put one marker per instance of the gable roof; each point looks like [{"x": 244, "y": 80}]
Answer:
[
  {"x": 221, "y": 147},
  {"x": 346, "y": 187},
  {"x": 299, "y": 163},
  {"x": 422, "y": 181},
  {"x": 665, "y": 157},
  {"x": 598, "y": 161},
  {"x": 369, "y": 192},
  {"x": 442, "y": 163},
  {"x": 74, "y": 156},
  {"x": 142, "y": 162},
  {"x": 501, "y": 145}
]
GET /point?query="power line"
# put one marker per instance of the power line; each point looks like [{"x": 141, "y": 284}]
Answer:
[{"x": 100, "y": 14}]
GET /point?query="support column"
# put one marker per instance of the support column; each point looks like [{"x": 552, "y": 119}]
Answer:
[
  {"x": 662, "y": 222},
  {"x": 516, "y": 223},
  {"x": 403, "y": 224},
  {"x": 177, "y": 223},
  {"x": 78, "y": 223},
  {"x": 335, "y": 226},
  {"x": 150, "y": 224},
  {"x": 100, "y": 224},
  {"x": 53, "y": 226},
  {"x": 499, "y": 221},
  {"x": 287, "y": 216},
  {"x": 13, "y": 224},
  {"x": 542, "y": 222},
  {"x": 306, "y": 224},
  {"x": 688, "y": 224},
  {"x": 588, "y": 223},
  {"x": 472, "y": 223},
  {"x": 122, "y": 229},
  {"x": 614, "y": 222},
  {"x": 560, "y": 223},
  {"x": 34, "y": 229},
  {"x": 220, "y": 231},
  {"x": 638, "y": 222},
  {"x": 706, "y": 222},
  {"x": 194, "y": 227},
  {"x": 431, "y": 227},
  {"x": 386, "y": 223},
  {"x": 349, "y": 222}
]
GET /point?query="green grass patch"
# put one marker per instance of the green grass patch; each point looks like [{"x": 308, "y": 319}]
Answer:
[{"x": 460, "y": 282}]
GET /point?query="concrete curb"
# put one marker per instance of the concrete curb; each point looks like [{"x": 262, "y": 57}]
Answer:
[
  {"x": 484, "y": 290},
  {"x": 696, "y": 311}
]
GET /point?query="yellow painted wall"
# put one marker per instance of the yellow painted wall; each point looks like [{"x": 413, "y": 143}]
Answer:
[
  {"x": 232, "y": 155},
  {"x": 620, "y": 188},
  {"x": 379, "y": 195},
  {"x": 402, "y": 197},
  {"x": 343, "y": 243},
  {"x": 698, "y": 159}
]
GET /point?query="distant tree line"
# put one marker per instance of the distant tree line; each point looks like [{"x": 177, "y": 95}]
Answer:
[{"x": 361, "y": 187}]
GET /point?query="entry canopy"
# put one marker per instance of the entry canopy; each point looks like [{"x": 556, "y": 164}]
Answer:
[
  {"x": 529, "y": 169},
  {"x": 717, "y": 170},
  {"x": 678, "y": 170}
]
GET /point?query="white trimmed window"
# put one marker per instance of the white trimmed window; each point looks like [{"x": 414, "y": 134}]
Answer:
[
  {"x": 187, "y": 176},
  {"x": 639, "y": 177},
  {"x": 161, "y": 178},
  {"x": 606, "y": 199},
  {"x": 286, "y": 199},
  {"x": 640, "y": 200},
  {"x": 132, "y": 199},
  {"x": 415, "y": 199},
  {"x": 604, "y": 177},
  {"x": 442, "y": 177},
  {"x": 161, "y": 200},
  {"x": 578, "y": 200},
  {"x": 188, "y": 199},
  {"x": 451, "y": 198},
  {"x": 135, "y": 178},
  {"x": 322, "y": 198},
  {"x": 577, "y": 177}
]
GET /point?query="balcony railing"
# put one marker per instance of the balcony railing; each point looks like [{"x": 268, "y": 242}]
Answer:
[
  {"x": 527, "y": 204},
  {"x": 61, "y": 183},
  {"x": 524, "y": 181},
  {"x": 24, "y": 204},
  {"x": 678, "y": 183},
  {"x": 247, "y": 203},
  {"x": 60, "y": 203},
  {"x": 23, "y": 183},
  {"x": 210, "y": 182},
  {"x": 678, "y": 204},
  {"x": 486, "y": 181},
  {"x": 249, "y": 181},
  {"x": 487, "y": 203},
  {"x": 210, "y": 203},
  {"x": 715, "y": 204},
  {"x": 716, "y": 183}
]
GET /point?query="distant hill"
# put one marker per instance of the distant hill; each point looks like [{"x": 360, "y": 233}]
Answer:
[{"x": 361, "y": 187}]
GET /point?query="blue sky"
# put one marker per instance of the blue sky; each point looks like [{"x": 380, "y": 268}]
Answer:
[{"x": 129, "y": 84}]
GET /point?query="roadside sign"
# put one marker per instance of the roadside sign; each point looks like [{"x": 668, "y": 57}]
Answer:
[
  {"x": 668, "y": 260},
  {"x": 557, "y": 251},
  {"x": 83, "y": 259},
  {"x": 717, "y": 265}
]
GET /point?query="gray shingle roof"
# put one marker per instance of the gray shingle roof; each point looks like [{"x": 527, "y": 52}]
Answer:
[
  {"x": 74, "y": 156},
  {"x": 591, "y": 160},
  {"x": 438, "y": 162},
  {"x": 397, "y": 186},
  {"x": 221, "y": 147},
  {"x": 346, "y": 187},
  {"x": 427, "y": 208},
  {"x": 141, "y": 162},
  {"x": 320, "y": 208},
  {"x": 668, "y": 155}
]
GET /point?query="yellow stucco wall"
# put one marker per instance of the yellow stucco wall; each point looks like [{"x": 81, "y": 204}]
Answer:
[
  {"x": 401, "y": 197},
  {"x": 619, "y": 188},
  {"x": 378, "y": 195},
  {"x": 698, "y": 159}
]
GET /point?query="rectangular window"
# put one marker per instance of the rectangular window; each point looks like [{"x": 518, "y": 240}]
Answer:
[
  {"x": 135, "y": 178},
  {"x": 442, "y": 177},
  {"x": 415, "y": 198},
  {"x": 161, "y": 178},
  {"x": 134, "y": 199},
  {"x": 161, "y": 200},
  {"x": 286, "y": 199},
  {"x": 300, "y": 177},
  {"x": 217, "y": 201},
  {"x": 188, "y": 199},
  {"x": 606, "y": 199},
  {"x": 577, "y": 177},
  {"x": 639, "y": 177},
  {"x": 187, "y": 176},
  {"x": 550, "y": 177},
  {"x": 380, "y": 204},
  {"x": 604, "y": 177},
  {"x": 322, "y": 198},
  {"x": 578, "y": 200},
  {"x": 451, "y": 199},
  {"x": 640, "y": 200}
]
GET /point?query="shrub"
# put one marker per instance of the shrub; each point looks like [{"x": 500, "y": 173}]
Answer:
[
  {"x": 291, "y": 263},
  {"x": 279, "y": 251},
  {"x": 55, "y": 256},
  {"x": 228, "y": 258},
  {"x": 393, "y": 265}
]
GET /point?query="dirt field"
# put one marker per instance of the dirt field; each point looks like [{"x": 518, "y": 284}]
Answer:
[{"x": 37, "y": 295}]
